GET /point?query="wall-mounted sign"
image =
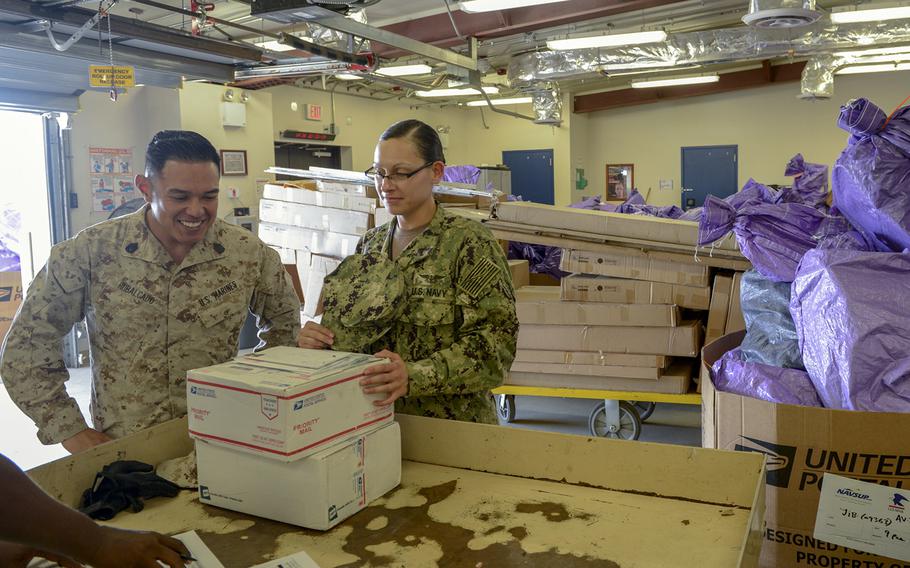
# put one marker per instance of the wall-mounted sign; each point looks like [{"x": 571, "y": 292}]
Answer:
[
  {"x": 100, "y": 76},
  {"x": 314, "y": 112},
  {"x": 298, "y": 135}
]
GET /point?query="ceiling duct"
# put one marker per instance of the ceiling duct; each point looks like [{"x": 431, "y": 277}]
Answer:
[
  {"x": 706, "y": 48},
  {"x": 547, "y": 103},
  {"x": 781, "y": 13},
  {"x": 294, "y": 11}
]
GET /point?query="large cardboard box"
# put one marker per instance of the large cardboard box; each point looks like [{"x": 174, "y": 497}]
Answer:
[
  {"x": 284, "y": 402},
  {"x": 10, "y": 300},
  {"x": 635, "y": 227},
  {"x": 559, "y": 312},
  {"x": 682, "y": 341},
  {"x": 674, "y": 381},
  {"x": 802, "y": 443},
  {"x": 521, "y": 273},
  {"x": 591, "y": 358},
  {"x": 720, "y": 304},
  {"x": 622, "y": 265},
  {"x": 299, "y": 238},
  {"x": 315, "y": 217},
  {"x": 735, "y": 319},
  {"x": 614, "y": 371},
  {"x": 583, "y": 288},
  {"x": 336, "y": 200},
  {"x": 316, "y": 492}
]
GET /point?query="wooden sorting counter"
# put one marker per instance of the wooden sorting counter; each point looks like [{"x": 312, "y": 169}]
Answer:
[{"x": 477, "y": 495}]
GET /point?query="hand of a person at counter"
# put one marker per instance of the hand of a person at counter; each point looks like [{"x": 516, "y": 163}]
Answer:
[
  {"x": 390, "y": 378},
  {"x": 14, "y": 555},
  {"x": 84, "y": 440},
  {"x": 315, "y": 336},
  {"x": 131, "y": 549}
]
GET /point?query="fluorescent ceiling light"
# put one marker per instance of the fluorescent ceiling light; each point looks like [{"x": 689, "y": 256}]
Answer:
[
  {"x": 404, "y": 70},
  {"x": 615, "y": 40},
  {"x": 900, "y": 50},
  {"x": 275, "y": 45},
  {"x": 456, "y": 92},
  {"x": 651, "y": 83},
  {"x": 347, "y": 76},
  {"x": 472, "y": 6},
  {"x": 515, "y": 101},
  {"x": 880, "y": 68},
  {"x": 876, "y": 15}
]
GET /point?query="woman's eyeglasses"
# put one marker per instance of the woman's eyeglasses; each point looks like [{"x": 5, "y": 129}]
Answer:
[{"x": 378, "y": 175}]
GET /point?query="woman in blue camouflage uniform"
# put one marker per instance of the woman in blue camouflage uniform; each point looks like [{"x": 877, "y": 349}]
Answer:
[{"x": 449, "y": 329}]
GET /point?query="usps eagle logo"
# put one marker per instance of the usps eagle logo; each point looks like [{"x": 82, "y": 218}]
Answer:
[{"x": 898, "y": 502}]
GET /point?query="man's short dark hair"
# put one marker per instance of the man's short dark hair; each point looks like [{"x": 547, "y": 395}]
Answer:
[{"x": 181, "y": 145}]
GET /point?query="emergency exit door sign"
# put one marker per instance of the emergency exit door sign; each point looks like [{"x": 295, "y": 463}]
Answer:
[{"x": 314, "y": 112}]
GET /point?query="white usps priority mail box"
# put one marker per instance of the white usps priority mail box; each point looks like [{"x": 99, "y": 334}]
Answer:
[
  {"x": 285, "y": 403},
  {"x": 316, "y": 492}
]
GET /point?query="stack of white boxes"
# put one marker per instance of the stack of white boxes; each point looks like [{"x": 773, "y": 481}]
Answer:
[
  {"x": 315, "y": 225},
  {"x": 288, "y": 434},
  {"x": 615, "y": 323}
]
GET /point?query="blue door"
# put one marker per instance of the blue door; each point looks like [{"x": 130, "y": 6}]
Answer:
[
  {"x": 532, "y": 174},
  {"x": 708, "y": 170}
]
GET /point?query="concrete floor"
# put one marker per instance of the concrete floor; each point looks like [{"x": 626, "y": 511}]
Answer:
[{"x": 670, "y": 423}]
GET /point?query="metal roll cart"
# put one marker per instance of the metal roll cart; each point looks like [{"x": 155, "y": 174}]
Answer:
[{"x": 620, "y": 416}]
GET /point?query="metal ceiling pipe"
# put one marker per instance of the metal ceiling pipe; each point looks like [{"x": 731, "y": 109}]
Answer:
[
  {"x": 705, "y": 48},
  {"x": 503, "y": 111}
]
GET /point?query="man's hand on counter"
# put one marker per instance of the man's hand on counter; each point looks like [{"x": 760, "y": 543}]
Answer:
[{"x": 84, "y": 440}]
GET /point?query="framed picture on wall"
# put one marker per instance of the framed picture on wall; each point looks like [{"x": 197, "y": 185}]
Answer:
[
  {"x": 233, "y": 163},
  {"x": 620, "y": 181}
]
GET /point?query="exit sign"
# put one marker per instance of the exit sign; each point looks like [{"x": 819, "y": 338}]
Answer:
[
  {"x": 314, "y": 112},
  {"x": 296, "y": 134}
]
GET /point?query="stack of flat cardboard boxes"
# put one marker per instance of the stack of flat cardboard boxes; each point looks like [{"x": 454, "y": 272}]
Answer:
[
  {"x": 623, "y": 320},
  {"x": 288, "y": 434},
  {"x": 314, "y": 225}
]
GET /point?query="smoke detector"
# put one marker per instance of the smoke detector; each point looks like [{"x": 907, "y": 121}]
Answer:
[{"x": 781, "y": 13}]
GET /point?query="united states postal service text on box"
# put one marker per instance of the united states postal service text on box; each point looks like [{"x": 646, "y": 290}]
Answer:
[
  {"x": 284, "y": 402},
  {"x": 586, "y": 288},
  {"x": 316, "y": 492},
  {"x": 624, "y": 265}
]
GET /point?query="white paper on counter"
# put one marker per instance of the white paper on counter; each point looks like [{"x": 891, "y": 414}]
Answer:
[
  {"x": 198, "y": 550},
  {"x": 864, "y": 516},
  {"x": 298, "y": 560}
]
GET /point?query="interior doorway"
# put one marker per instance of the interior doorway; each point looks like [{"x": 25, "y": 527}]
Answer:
[{"x": 302, "y": 156}]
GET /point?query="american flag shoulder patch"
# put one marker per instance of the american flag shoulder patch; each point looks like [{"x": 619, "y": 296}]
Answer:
[{"x": 484, "y": 273}]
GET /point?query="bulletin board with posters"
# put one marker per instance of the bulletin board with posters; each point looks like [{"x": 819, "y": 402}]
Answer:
[{"x": 111, "y": 177}]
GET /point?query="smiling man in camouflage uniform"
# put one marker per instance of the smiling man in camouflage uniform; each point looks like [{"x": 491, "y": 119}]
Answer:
[{"x": 163, "y": 290}]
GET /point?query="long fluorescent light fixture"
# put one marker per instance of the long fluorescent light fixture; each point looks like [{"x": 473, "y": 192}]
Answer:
[
  {"x": 404, "y": 70},
  {"x": 875, "y": 15},
  {"x": 673, "y": 81},
  {"x": 880, "y": 68},
  {"x": 273, "y": 45},
  {"x": 615, "y": 40},
  {"x": 515, "y": 101},
  {"x": 894, "y": 50},
  {"x": 473, "y": 6},
  {"x": 347, "y": 76},
  {"x": 457, "y": 92}
]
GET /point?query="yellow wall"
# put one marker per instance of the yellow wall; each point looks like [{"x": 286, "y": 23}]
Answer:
[
  {"x": 129, "y": 123},
  {"x": 769, "y": 125},
  {"x": 200, "y": 110},
  {"x": 359, "y": 122}
]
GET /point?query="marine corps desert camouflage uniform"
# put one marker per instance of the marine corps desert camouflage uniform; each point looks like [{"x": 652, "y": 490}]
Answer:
[
  {"x": 148, "y": 322},
  {"x": 458, "y": 328}
]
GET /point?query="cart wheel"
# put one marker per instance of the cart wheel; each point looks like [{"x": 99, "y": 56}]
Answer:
[
  {"x": 505, "y": 407},
  {"x": 629, "y": 422},
  {"x": 645, "y": 409}
]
